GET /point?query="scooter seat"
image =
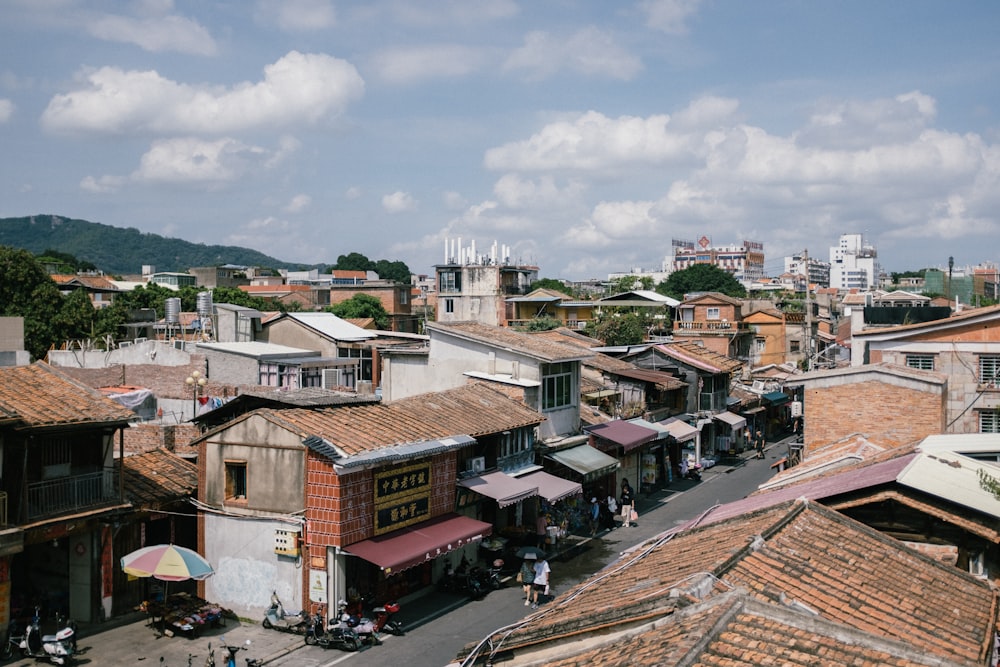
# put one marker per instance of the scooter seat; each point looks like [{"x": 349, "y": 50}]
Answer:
[{"x": 49, "y": 639}]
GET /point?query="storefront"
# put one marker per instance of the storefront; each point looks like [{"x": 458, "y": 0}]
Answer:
[
  {"x": 498, "y": 499},
  {"x": 684, "y": 441},
  {"x": 561, "y": 501},
  {"x": 656, "y": 471},
  {"x": 594, "y": 469},
  {"x": 777, "y": 403},
  {"x": 729, "y": 433},
  {"x": 624, "y": 440}
]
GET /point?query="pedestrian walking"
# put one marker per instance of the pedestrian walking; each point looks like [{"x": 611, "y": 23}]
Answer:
[
  {"x": 595, "y": 515},
  {"x": 541, "y": 528},
  {"x": 612, "y": 506},
  {"x": 540, "y": 585},
  {"x": 627, "y": 502},
  {"x": 526, "y": 575},
  {"x": 759, "y": 444}
]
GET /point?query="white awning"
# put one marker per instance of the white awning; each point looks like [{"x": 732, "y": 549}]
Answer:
[
  {"x": 501, "y": 487},
  {"x": 731, "y": 418}
]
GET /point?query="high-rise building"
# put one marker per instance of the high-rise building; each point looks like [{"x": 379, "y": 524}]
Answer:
[
  {"x": 853, "y": 264},
  {"x": 817, "y": 273}
]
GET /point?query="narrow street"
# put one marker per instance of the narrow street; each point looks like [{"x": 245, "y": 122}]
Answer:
[{"x": 435, "y": 643}]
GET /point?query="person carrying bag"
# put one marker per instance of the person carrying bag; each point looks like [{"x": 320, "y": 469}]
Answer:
[{"x": 628, "y": 504}]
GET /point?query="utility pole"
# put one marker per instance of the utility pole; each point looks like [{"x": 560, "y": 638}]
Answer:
[{"x": 809, "y": 313}]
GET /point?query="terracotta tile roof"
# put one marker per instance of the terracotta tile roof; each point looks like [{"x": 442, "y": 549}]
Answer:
[
  {"x": 540, "y": 348},
  {"x": 473, "y": 410},
  {"x": 796, "y": 555},
  {"x": 90, "y": 282},
  {"x": 158, "y": 477},
  {"x": 734, "y": 630},
  {"x": 699, "y": 356},
  {"x": 40, "y": 395},
  {"x": 714, "y": 297}
]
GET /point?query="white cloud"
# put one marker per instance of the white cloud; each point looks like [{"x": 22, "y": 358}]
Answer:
[
  {"x": 398, "y": 202},
  {"x": 353, "y": 192},
  {"x": 298, "y": 88},
  {"x": 298, "y": 203},
  {"x": 669, "y": 16},
  {"x": 296, "y": 15},
  {"x": 102, "y": 184},
  {"x": 194, "y": 161},
  {"x": 412, "y": 65},
  {"x": 157, "y": 33},
  {"x": 590, "y": 52},
  {"x": 6, "y": 110},
  {"x": 515, "y": 192},
  {"x": 453, "y": 200},
  {"x": 860, "y": 123}
]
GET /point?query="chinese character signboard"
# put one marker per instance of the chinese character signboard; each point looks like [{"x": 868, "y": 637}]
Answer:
[{"x": 402, "y": 497}]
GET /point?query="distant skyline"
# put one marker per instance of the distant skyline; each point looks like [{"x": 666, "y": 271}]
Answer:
[{"x": 585, "y": 135}]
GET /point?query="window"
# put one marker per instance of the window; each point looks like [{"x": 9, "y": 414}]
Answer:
[
  {"x": 449, "y": 305},
  {"x": 404, "y": 297},
  {"x": 924, "y": 362},
  {"x": 794, "y": 346},
  {"x": 557, "y": 385},
  {"x": 713, "y": 313},
  {"x": 989, "y": 421},
  {"x": 989, "y": 369},
  {"x": 450, "y": 281},
  {"x": 236, "y": 480},
  {"x": 759, "y": 345}
]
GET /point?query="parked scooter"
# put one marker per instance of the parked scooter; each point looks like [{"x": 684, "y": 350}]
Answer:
[
  {"x": 275, "y": 617},
  {"x": 383, "y": 619},
  {"x": 352, "y": 615},
  {"x": 57, "y": 648},
  {"x": 493, "y": 575},
  {"x": 335, "y": 635},
  {"x": 231, "y": 649}
]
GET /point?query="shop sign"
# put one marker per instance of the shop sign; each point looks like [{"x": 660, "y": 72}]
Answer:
[{"x": 402, "y": 497}]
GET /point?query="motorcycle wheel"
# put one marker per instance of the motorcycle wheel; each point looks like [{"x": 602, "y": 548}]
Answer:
[
  {"x": 267, "y": 624},
  {"x": 396, "y": 628},
  {"x": 311, "y": 639},
  {"x": 6, "y": 652},
  {"x": 353, "y": 644}
]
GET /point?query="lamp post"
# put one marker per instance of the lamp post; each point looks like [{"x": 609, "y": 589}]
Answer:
[{"x": 196, "y": 382}]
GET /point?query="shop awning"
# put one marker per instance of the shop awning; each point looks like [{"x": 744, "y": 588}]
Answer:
[
  {"x": 661, "y": 431},
  {"x": 553, "y": 488},
  {"x": 623, "y": 433},
  {"x": 734, "y": 420},
  {"x": 501, "y": 487},
  {"x": 777, "y": 397},
  {"x": 680, "y": 430},
  {"x": 586, "y": 460},
  {"x": 419, "y": 543},
  {"x": 603, "y": 393}
]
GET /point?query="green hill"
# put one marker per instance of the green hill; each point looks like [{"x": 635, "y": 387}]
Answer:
[{"x": 119, "y": 251}]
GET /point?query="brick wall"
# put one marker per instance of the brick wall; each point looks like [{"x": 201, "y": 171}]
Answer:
[
  {"x": 148, "y": 436},
  {"x": 885, "y": 412}
]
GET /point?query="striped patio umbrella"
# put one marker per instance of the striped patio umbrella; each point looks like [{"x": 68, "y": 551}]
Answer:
[{"x": 167, "y": 562}]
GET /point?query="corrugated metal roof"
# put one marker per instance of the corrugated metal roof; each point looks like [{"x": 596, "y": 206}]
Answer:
[
  {"x": 258, "y": 349},
  {"x": 333, "y": 327}
]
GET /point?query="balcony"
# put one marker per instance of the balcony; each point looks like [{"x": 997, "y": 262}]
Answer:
[
  {"x": 69, "y": 494},
  {"x": 712, "y": 326}
]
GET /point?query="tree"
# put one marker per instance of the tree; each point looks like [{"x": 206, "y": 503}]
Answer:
[
  {"x": 394, "y": 271},
  {"x": 27, "y": 291},
  {"x": 552, "y": 284},
  {"x": 629, "y": 283},
  {"x": 354, "y": 262},
  {"x": 701, "y": 278},
  {"x": 77, "y": 317},
  {"x": 546, "y": 323},
  {"x": 621, "y": 329},
  {"x": 361, "y": 306}
]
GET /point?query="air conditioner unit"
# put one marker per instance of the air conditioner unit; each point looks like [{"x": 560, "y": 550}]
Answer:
[
  {"x": 477, "y": 464},
  {"x": 333, "y": 378}
]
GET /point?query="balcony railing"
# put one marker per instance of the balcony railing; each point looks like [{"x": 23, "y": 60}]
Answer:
[
  {"x": 56, "y": 496},
  {"x": 722, "y": 327}
]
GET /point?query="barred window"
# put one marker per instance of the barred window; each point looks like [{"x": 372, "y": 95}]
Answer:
[
  {"x": 924, "y": 362},
  {"x": 989, "y": 369},
  {"x": 989, "y": 421}
]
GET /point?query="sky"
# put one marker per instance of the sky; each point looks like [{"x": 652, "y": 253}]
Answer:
[{"x": 584, "y": 136}]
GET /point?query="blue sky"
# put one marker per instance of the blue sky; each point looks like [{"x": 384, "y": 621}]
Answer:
[{"x": 584, "y": 135}]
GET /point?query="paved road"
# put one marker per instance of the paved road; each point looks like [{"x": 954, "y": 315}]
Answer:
[
  {"x": 436, "y": 643},
  {"x": 433, "y": 643}
]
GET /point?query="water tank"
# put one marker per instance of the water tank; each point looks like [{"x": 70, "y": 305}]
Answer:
[
  {"x": 172, "y": 310},
  {"x": 204, "y": 304}
]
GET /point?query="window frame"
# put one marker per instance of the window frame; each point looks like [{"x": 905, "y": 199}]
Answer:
[
  {"x": 921, "y": 361},
  {"x": 989, "y": 369},
  {"x": 558, "y": 382},
  {"x": 235, "y": 471},
  {"x": 989, "y": 421}
]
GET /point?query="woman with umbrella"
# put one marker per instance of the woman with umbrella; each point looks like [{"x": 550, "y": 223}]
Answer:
[{"x": 527, "y": 574}]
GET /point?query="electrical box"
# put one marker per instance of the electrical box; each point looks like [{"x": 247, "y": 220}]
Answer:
[{"x": 286, "y": 542}]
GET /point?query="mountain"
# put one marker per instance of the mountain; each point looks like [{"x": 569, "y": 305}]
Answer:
[{"x": 120, "y": 251}]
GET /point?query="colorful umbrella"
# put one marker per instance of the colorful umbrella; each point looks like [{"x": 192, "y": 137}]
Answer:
[{"x": 167, "y": 562}]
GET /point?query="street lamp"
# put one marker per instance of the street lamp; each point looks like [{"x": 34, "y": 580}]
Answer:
[{"x": 196, "y": 382}]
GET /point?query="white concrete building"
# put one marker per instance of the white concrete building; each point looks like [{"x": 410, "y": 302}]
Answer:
[{"x": 853, "y": 263}]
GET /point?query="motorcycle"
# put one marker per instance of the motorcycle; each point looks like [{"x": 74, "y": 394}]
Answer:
[
  {"x": 493, "y": 575},
  {"x": 383, "y": 619},
  {"x": 57, "y": 648},
  {"x": 275, "y": 617},
  {"x": 352, "y": 616},
  {"x": 335, "y": 635},
  {"x": 232, "y": 650}
]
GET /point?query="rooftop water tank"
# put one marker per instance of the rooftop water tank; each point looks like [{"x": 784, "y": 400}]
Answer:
[
  {"x": 204, "y": 304},
  {"x": 172, "y": 310}
]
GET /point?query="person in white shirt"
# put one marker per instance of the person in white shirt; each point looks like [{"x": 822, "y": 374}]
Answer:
[{"x": 541, "y": 583}]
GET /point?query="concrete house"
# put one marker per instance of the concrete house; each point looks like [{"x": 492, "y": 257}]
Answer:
[
  {"x": 715, "y": 321},
  {"x": 541, "y": 303},
  {"x": 965, "y": 348},
  {"x": 543, "y": 374},
  {"x": 310, "y": 502}
]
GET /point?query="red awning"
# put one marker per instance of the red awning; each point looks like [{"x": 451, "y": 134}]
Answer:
[
  {"x": 423, "y": 542},
  {"x": 624, "y": 433},
  {"x": 501, "y": 487},
  {"x": 551, "y": 487}
]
